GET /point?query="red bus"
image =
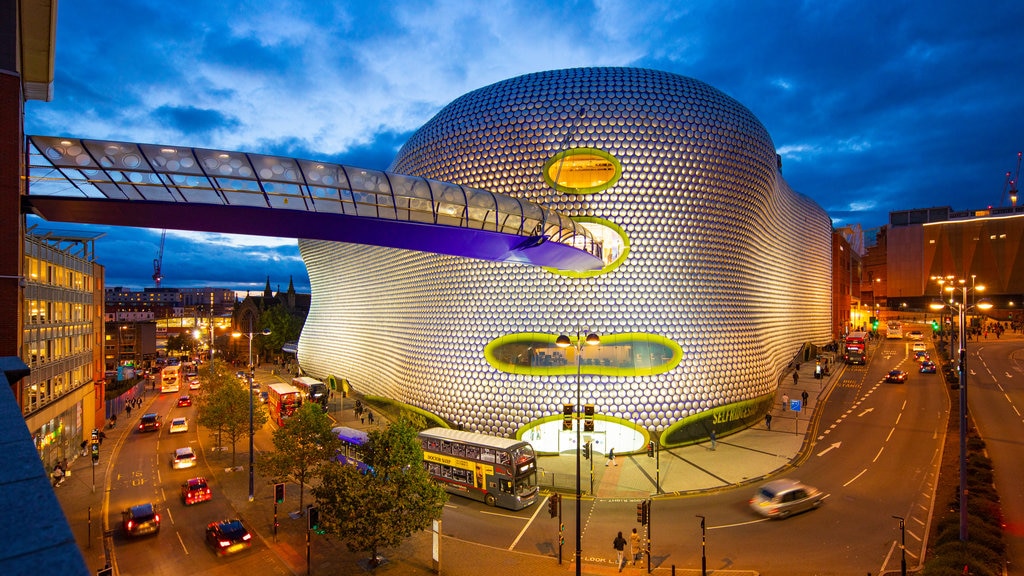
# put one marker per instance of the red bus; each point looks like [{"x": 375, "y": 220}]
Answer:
[
  {"x": 855, "y": 349},
  {"x": 282, "y": 401}
]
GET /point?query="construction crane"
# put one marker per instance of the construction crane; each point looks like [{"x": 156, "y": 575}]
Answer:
[{"x": 158, "y": 261}]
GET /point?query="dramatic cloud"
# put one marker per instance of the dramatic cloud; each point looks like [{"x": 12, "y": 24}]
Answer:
[{"x": 874, "y": 106}]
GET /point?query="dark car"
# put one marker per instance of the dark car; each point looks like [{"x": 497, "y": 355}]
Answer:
[
  {"x": 928, "y": 367},
  {"x": 227, "y": 536},
  {"x": 896, "y": 376},
  {"x": 922, "y": 356},
  {"x": 184, "y": 401},
  {"x": 140, "y": 520},
  {"x": 149, "y": 423},
  {"x": 195, "y": 490}
]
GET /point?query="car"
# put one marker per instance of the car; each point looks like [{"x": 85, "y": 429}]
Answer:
[
  {"x": 193, "y": 384},
  {"x": 195, "y": 490},
  {"x": 784, "y": 497},
  {"x": 240, "y": 375},
  {"x": 227, "y": 536},
  {"x": 264, "y": 397},
  {"x": 928, "y": 367},
  {"x": 183, "y": 458},
  {"x": 920, "y": 356},
  {"x": 178, "y": 425},
  {"x": 184, "y": 401},
  {"x": 140, "y": 520},
  {"x": 916, "y": 335},
  {"x": 896, "y": 376},
  {"x": 149, "y": 422},
  {"x": 919, "y": 347}
]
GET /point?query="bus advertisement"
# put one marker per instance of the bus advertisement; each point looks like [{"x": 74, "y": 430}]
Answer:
[
  {"x": 282, "y": 401},
  {"x": 855, "y": 348},
  {"x": 312, "y": 390},
  {"x": 497, "y": 471},
  {"x": 170, "y": 378}
]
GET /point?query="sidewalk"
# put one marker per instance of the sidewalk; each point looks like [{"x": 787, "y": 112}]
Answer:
[{"x": 740, "y": 458}]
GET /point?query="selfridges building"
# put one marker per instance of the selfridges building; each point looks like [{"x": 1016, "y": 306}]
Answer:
[{"x": 715, "y": 271}]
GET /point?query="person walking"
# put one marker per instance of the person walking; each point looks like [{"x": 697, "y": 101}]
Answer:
[
  {"x": 796, "y": 376},
  {"x": 611, "y": 460},
  {"x": 634, "y": 547},
  {"x": 804, "y": 395},
  {"x": 128, "y": 410},
  {"x": 620, "y": 546},
  {"x": 768, "y": 420},
  {"x": 785, "y": 402},
  {"x": 714, "y": 439}
]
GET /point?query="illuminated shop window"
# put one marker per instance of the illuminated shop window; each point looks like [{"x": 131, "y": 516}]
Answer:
[
  {"x": 627, "y": 354},
  {"x": 582, "y": 171}
]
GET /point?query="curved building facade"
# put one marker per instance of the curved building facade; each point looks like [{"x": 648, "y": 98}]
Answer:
[{"x": 716, "y": 272}]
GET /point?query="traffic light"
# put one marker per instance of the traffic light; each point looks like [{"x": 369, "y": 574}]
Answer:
[
  {"x": 643, "y": 512},
  {"x": 586, "y": 450},
  {"x": 567, "y": 416},
  {"x": 279, "y": 493},
  {"x": 588, "y": 417},
  {"x": 553, "y": 505},
  {"x": 95, "y": 450},
  {"x": 313, "y": 518},
  {"x": 935, "y": 325}
]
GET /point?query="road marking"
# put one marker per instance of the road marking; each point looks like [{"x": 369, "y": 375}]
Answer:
[
  {"x": 826, "y": 450},
  {"x": 530, "y": 521},
  {"x": 880, "y": 450},
  {"x": 865, "y": 412},
  {"x": 747, "y": 523},
  {"x": 182, "y": 542},
  {"x": 851, "y": 481},
  {"x": 502, "y": 515}
]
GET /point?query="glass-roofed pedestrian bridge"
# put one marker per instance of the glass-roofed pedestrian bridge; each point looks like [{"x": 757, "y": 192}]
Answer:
[{"x": 158, "y": 186}]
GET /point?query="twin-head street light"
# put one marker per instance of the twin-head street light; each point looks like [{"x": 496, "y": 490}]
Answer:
[
  {"x": 252, "y": 433},
  {"x": 564, "y": 341},
  {"x": 962, "y": 308}
]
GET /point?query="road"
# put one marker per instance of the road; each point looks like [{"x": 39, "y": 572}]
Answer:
[{"x": 996, "y": 399}]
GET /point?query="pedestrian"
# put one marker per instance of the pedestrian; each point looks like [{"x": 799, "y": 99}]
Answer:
[
  {"x": 634, "y": 546},
  {"x": 128, "y": 410},
  {"x": 768, "y": 420},
  {"x": 369, "y": 416},
  {"x": 714, "y": 439},
  {"x": 796, "y": 376},
  {"x": 620, "y": 546},
  {"x": 611, "y": 460},
  {"x": 785, "y": 402},
  {"x": 804, "y": 395}
]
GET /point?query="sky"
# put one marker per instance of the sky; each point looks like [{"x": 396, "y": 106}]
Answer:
[{"x": 874, "y": 105}]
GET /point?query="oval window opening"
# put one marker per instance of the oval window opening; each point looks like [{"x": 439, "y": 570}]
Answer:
[
  {"x": 582, "y": 171},
  {"x": 613, "y": 241}
]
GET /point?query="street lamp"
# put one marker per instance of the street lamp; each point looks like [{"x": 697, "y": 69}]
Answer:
[
  {"x": 564, "y": 341},
  {"x": 962, "y": 307},
  {"x": 252, "y": 433}
]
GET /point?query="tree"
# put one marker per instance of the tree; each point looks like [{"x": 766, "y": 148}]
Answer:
[
  {"x": 381, "y": 508},
  {"x": 223, "y": 406},
  {"x": 302, "y": 446},
  {"x": 283, "y": 328}
]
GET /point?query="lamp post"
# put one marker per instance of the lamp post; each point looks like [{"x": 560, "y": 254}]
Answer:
[
  {"x": 252, "y": 433},
  {"x": 564, "y": 341},
  {"x": 903, "y": 546},
  {"x": 962, "y": 316}
]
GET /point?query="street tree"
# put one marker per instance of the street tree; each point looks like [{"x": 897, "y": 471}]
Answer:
[
  {"x": 283, "y": 328},
  {"x": 301, "y": 447},
  {"x": 224, "y": 408},
  {"x": 386, "y": 505}
]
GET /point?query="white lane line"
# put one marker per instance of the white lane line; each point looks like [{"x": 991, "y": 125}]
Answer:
[
  {"x": 852, "y": 480},
  {"x": 532, "y": 518}
]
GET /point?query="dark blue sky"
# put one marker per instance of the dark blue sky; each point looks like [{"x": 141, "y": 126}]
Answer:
[{"x": 874, "y": 105}]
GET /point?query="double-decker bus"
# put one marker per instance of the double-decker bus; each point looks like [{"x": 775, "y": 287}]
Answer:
[
  {"x": 496, "y": 471},
  {"x": 282, "y": 401},
  {"x": 170, "y": 378},
  {"x": 352, "y": 442},
  {"x": 312, "y": 390},
  {"x": 855, "y": 348},
  {"x": 894, "y": 330}
]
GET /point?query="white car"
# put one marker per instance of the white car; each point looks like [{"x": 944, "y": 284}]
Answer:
[
  {"x": 920, "y": 347},
  {"x": 193, "y": 384},
  {"x": 916, "y": 335},
  {"x": 183, "y": 458},
  {"x": 179, "y": 425}
]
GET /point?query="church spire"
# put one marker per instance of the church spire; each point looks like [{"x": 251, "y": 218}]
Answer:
[{"x": 266, "y": 291}]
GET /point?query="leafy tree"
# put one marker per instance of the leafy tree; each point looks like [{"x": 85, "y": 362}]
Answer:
[
  {"x": 283, "y": 328},
  {"x": 302, "y": 446},
  {"x": 223, "y": 406},
  {"x": 382, "y": 508}
]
